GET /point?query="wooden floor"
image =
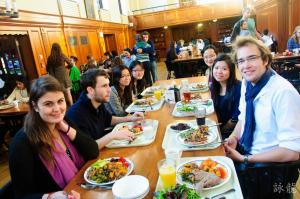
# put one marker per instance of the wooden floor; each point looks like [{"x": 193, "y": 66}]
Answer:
[{"x": 162, "y": 74}]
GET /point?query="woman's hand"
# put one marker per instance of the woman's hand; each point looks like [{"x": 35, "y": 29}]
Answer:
[
  {"x": 122, "y": 135},
  {"x": 62, "y": 126}
]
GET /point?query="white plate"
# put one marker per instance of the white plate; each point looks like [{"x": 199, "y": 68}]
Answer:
[
  {"x": 210, "y": 138},
  {"x": 150, "y": 90},
  {"x": 147, "y": 137},
  {"x": 130, "y": 126},
  {"x": 175, "y": 123},
  {"x": 6, "y": 106},
  {"x": 170, "y": 137},
  {"x": 198, "y": 161},
  {"x": 207, "y": 104},
  {"x": 154, "y": 101},
  {"x": 133, "y": 186},
  {"x": 130, "y": 169},
  {"x": 194, "y": 87}
]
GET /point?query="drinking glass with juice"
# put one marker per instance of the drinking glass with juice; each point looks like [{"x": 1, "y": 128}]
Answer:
[
  {"x": 157, "y": 94},
  {"x": 167, "y": 173}
]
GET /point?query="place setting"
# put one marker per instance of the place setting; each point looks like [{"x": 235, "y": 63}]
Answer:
[
  {"x": 198, "y": 134},
  {"x": 147, "y": 103},
  {"x": 114, "y": 173},
  {"x": 144, "y": 133},
  {"x": 197, "y": 177},
  {"x": 188, "y": 106},
  {"x": 199, "y": 87}
]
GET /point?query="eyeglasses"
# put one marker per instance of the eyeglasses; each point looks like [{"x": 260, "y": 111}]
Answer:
[
  {"x": 250, "y": 59},
  {"x": 137, "y": 70}
]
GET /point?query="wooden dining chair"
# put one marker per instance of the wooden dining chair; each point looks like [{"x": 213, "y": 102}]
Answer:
[{"x": 170, "y": 69}]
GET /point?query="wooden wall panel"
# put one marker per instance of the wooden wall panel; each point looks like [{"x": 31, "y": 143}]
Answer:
[
  {"x": 294, "y": 10},
  {"x": 94, "y": 44},
  {"x": 189, "y": 14},
  {"x": 274, "y": 15},
  {"x": 38, "y": 51},
  {"x": 55, "y": 35}
]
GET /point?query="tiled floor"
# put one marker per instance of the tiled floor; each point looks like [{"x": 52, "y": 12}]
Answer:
[{"x": 162, "y": 74}]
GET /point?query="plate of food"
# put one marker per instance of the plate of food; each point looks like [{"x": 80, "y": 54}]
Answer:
[
  {"x": 107, "y": 171},
  {"x": 180, "y": 126},
  {"x": 146, "y": 102},
  {"x": 6, "y": 106},
  {"x": 203, "y": 173},
  {"x": 189, "y": 107},
  {"x": 136, "y": 129},
  {"x": 203, "y": 87},
  {"x": 150, "y": 90},
  {"x": 194, "y": 137}
]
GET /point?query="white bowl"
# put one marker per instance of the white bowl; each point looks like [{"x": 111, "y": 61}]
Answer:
[{"x": 131, "y": 187}]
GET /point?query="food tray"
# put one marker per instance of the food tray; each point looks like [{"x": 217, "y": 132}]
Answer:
[
  {"x": 209, "y": 106},
  {"x": 232, "y": 183},
  {"x": 147, "y": 137},
  {"x": 170, "y": 138}
]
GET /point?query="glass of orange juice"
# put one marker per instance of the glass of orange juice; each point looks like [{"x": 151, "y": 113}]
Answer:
[
  {"x": 167, "y": 173},
  {"x": 157, "y": 94}
]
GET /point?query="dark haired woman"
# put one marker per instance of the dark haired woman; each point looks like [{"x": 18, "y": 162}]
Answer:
[
  {"x": 19, "y": 93},
  {"x": 48, "y": 152},
  {"x": 209, "y": 56},
  {"x": 56, "y": 68},
  {"x": 226, "y": 92},
  {"x": 138, "y": 80},
  {"x": 121, "y": 91}
]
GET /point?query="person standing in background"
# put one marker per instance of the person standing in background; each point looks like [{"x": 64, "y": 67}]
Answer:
[
  {"x": 251, "y": 25},
  {"x": 74, "y": 75},
  {"x": 152, "y": 55},
  {"x": 141, "y": 50},
  {"x": 56, "y": 68}
]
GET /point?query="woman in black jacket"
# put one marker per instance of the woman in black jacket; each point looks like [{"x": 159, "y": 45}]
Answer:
[{"x": 48, "y": 152}]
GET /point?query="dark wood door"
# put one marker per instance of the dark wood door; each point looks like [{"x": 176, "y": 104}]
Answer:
[{"x": 110, "y": 42}]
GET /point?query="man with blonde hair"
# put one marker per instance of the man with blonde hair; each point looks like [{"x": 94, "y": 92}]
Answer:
[{"x": 268, "y": 129}]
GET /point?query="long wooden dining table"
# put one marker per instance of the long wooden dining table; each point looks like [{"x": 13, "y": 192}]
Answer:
[
  {"x": 21, "y": 109},
  {"x": 145, "y": 158}
]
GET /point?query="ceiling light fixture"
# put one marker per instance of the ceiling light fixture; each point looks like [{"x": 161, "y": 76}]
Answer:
[{"x": 165, "y": 27}]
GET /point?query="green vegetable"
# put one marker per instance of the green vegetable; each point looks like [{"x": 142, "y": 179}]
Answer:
[
  {"x": 187, "y": 133},
  {"x": 177, "y": 192},
  {"x": 186, "y": 107},
  {"x": 100, "y": 163}
]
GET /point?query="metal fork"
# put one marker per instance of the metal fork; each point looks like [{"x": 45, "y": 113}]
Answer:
[{"x": 220, "y": 194}]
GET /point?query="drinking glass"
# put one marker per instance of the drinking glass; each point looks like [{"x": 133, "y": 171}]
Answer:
[
  {"x": 186, "y": 96},
  {"x": 167, "y": 173},
  {"x": 157, "y": 94},
  {"x": 173, "y": 154},
  {"x": 200, "y": 115}
]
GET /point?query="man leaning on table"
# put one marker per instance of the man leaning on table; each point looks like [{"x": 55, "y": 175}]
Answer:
[
  {"x": 268, "y": 129},
  {"x": 89, "y": 113}
]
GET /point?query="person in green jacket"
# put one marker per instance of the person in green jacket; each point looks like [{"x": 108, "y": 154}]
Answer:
[{"x": 74, "y": 75}]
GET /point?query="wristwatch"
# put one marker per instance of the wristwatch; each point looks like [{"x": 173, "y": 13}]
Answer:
[{"x": 245, "y": 160}]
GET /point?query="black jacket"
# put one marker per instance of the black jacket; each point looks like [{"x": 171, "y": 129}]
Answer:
[{"x": 30, "y": 178}]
